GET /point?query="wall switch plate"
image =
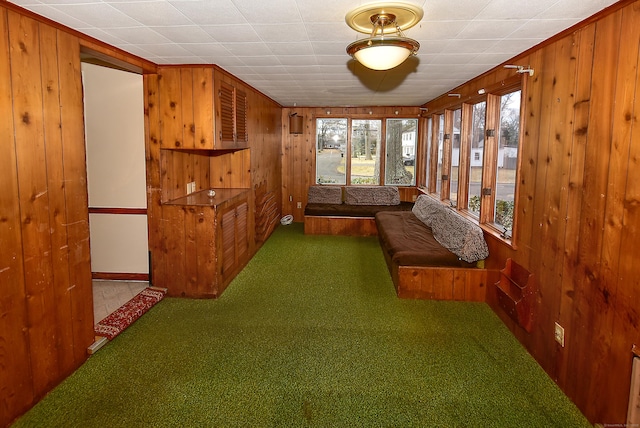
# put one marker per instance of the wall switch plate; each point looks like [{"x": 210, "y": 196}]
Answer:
[
  {"x": 191, "y": 187},
  {"x": 559, "y": 334}
]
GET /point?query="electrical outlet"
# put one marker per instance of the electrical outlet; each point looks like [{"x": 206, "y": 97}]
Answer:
[
  {"x": 559, "y": 334},
  {"x": 191, "y": 187},
  {"x": 299, "y": 205}
]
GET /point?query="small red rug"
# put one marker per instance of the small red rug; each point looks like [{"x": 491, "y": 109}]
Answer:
[{"x": 126, "y": 314}]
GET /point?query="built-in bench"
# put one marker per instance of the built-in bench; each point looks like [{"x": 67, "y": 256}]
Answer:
[
  {"x": 349, "y": 210},
  {"x": 433, "y": 252}
]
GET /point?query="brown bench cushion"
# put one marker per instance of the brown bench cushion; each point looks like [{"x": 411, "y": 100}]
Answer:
[
  {"x": 344, "y": 210},
  {"x": 409, "y": 242}
]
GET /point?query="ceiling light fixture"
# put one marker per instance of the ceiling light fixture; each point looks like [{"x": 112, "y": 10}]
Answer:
[{"x": 386, "y": 47}]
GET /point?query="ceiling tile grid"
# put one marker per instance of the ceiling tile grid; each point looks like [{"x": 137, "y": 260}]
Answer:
[{"x": 295, "y": 50}]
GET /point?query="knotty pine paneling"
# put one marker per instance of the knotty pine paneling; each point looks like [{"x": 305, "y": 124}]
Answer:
[
  {"x": 577, "y": 207},
  {"x": 299, "y": 150},
  {"x": 46, "y": 307}
]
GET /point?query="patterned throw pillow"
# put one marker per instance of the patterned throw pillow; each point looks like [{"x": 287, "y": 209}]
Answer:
[
  {"x": 325, "y": 195},
  {"x": 371, "y": 195}
]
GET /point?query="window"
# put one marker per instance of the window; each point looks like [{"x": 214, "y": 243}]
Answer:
[
  {"x": 348, "y": 151},
  {"x": 401, "y": 152},
  {"x": 331, "y": 145},
  {"x": 508, "y": 142},
  {"x": 365, "y": 156},
  {"x": 428, "y": 150},
  {"x": 477, "y": 155},
  {"x": 455, "y": 156},
  {"x": 440, "y": 153},
  {"x": 478, "y": 112}
]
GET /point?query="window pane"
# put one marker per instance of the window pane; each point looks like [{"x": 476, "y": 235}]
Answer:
[
  {"x": 365, "y": 156},
  {"x": 455, "y": 156},
  {"x": 428, "y": 149},
  {"x": 331, "y": 145},
  {"x": 440, "y": 154},
  {"x": 401, "y": 152},
  {"x": 477, "y": 156},
  {"x": 507, "y": 159}
]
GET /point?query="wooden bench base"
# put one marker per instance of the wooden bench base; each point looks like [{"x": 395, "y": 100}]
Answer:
[
  {"x": 441, "y": 283},
  {"x": 349, "y": 226}
]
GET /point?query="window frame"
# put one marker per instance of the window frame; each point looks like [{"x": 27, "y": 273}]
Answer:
[
  {"x": 492, "y": 96},
  {"x": 382, "y": 148}
]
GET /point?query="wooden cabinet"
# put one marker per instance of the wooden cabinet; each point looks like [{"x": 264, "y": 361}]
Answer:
[
  {"x": 201, "y": 108},
  {"x": 234, "y": 240},
  {"x": 205, "y": 243}
]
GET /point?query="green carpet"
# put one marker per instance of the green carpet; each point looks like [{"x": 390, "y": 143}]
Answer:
[{"x": 310, "y": 334}]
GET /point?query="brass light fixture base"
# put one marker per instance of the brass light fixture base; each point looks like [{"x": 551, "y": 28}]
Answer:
[{"x": 395, "y": 15}]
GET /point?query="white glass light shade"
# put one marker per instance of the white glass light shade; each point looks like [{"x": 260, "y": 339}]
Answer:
[{"x": 382, "y": 53}]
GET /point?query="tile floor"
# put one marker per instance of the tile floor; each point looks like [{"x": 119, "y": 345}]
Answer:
[{"x": 110, "y": 295}]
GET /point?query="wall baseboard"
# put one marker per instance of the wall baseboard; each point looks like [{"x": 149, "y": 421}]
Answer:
[{"x": 120, "y": 276}]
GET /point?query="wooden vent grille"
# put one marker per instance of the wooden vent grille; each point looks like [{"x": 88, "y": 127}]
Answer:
[
  {"x": 228, "y": 240},
  {"x": 241, "y": 116},
  {"x": 242, "y": 231},
  {"x": 226, "y": 112}
]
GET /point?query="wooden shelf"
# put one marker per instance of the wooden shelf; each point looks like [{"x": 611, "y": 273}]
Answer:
[{"x": 202, "y": 198}]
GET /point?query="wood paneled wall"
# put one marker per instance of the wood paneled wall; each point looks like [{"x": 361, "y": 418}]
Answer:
[
  {"x": 46, "y": 304},
  {"x": 578, "y": 209},
  {"x": 168, "y": 171},
  {"x": 299, "y": 155}
]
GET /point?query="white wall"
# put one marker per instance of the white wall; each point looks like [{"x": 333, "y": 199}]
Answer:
[{"x": 114, "y": 124}]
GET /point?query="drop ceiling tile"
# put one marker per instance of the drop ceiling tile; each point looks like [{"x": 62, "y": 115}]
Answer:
[
  {"x": 136, "y": 50},
  {"x": 59, "y": 16},
  {"x": 248, "y": 49},
  {"x": 106, "y": 37},
  {"x": 331, "y": 32},
  {"x": 578, "y": 10},
  {"x": 184, "y": 34},
  {"x": 208, "y": 49},
  {"x": 509, "y": 9},
  {"x": 467, "y": 46},
  {"x": 450, "y": 59},
  {"x": 280, "y": 32},
  {"x": 449, "y": 10},
  {"x": 166, "y": 49},
  {"x": 157, "y": 13},
  {"x": 325, "y": 10},
  {"x": 490, "y": 58},
  {"x": 436, "y": 30},
  {"x": 207, "y": 12},
  {"x": 541, "y": 28},
  {"x": 272, "y": 69},
  {"x": 299, "y": 60},
  {"x": 284, "y": 11},
  {"x": 99, "y": 15},
  {"x": 330, "y": 48},
  {"x": 138, "y": 35},
  {"x": 498, "y": 29},
  {"x": 291, "y": 48},
  {"x": 259, "y": 61},
  {"x": 239, "y": 33},
  {"x": 513, "y": 46}
]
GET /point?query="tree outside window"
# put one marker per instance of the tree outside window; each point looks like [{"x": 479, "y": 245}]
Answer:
[{"x": 401, "y": 139}]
